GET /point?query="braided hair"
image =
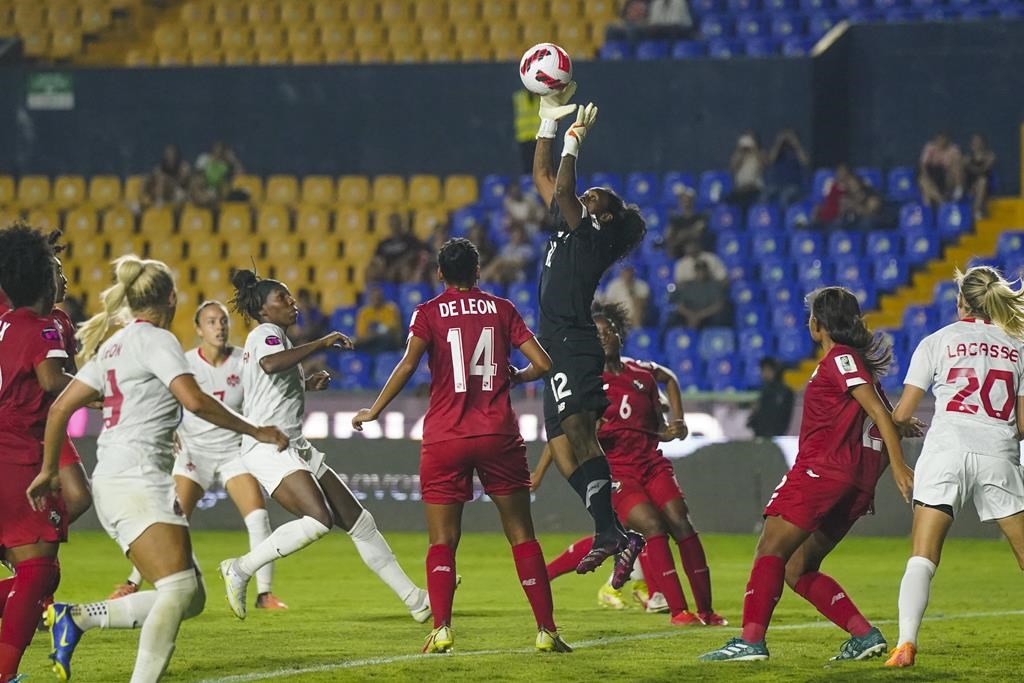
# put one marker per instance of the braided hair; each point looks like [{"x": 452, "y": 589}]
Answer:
[
  {"x": 627, "y": 225},
  {"x": 251, "y": 292},
  {"x": 615, "y": 315}
]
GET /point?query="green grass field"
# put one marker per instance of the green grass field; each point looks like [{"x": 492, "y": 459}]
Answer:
[{"x": 345, "y": 625}]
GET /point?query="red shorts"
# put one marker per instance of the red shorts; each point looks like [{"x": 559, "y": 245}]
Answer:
[
  {"x": 68, "y": 453},
  {"x": 19, "y": 523},
  {"x": 446, "y": 468},
  {"x": 816, "y": 503},
  {"x": 656, "y": 484}
]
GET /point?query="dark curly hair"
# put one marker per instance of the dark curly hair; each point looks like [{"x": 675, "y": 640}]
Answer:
[
  {"x": 615, "y": 315},
  {"x": 836, "y": 309},
  {"x": 627, "y": 225},
  {"x": 251, "y": 293},
  {"x": 459, "y": 259},
  {"x": 26, "y": 265}
]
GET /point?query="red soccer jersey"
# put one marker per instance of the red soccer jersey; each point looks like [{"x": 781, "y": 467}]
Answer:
[
  {"x": 26, "y": 340},
  {"x": 470, "y": 336},
  {"x": 630, "y": 425},
  {"x": 67, "y": 331},
  {"x": 833, "y": 431}
]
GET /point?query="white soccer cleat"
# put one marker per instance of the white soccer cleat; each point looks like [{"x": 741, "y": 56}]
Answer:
[
  {"x": 656, "y": 604},
  {"x": 421, "y": 612},
  {"x": 235, "y": 587}
]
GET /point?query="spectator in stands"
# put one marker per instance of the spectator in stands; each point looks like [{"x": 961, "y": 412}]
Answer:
[
  {"x": 478, "y": 235},
  {"x": 773, "y": 410},
  {"x": 632, "y": 294},
  {"x": 167, "y": 183},
  {"x": 978, "y": 165},
  {"x": 669, "y": 20},
  {"x": 700, "y": 302},
  {"x": 632, "y": 20},
  {"x": 439, "y": 234},
  {"x": 215, "y": 171},
  {"x": 515, "y": 260},
  {"x": 827, "y": 213},
  {"x": 747, "y": 167},
  {"x": 694, "y": 256},
  {"x": 787, "y": 169},
  {"x": 378, "y": 323},
  {"x": 399, "y": 256},
  {"x": 940, "y": 174},
  {"x": 686, "y": 225},
  {"x": 310, "y": 325},
  {"x": 523, "y": 209}
]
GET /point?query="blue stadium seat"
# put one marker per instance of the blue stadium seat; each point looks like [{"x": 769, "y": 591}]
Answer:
[
  {"x": 642, "y": 344},
  {"x": 724, "y": 48},
  {"x": 793, "y": 345},
  {"x": 352, "y": 370},
  {"x": 674, "y": 183},
  {"x": 752, "y": 373},
  {"x": 822, "y": 183},
  {"x": 611, "y": 180},
  {"x": 768, "y": 243},
  {"x": 922, "y": 244},
  {"x": 820, "y": 23},
  {"x": 583, "y": 183},
  {"x": 656, "y": 220},
  {"x": 890, "y": 273},
  {"x": 641, "y": 188},
  {"x": 776, "y": 271},
  {"x": 892, "y": 382},
  {"x": 798, "y": 215},
  {"x": 954, "y": 220},
  {"x": 925, "y": 4},
  {"x": 412, "y": 295},
  {"x": 784, "y": 295},
  {"x": 916, "y": 215},
  {"x": 1013, "y": 267},
  {"x": 723, "y": 375},
  {"x": 716, "y": 26},
  {"x": 756, "y": 343},
  {"x": 732, "y": 246},
  {"x": 688, "y": 49},
  {"x": 849, "y": 5},
  {"x": 651, "y": 49},
  {"x": 940, "y": 14},
  {"x": 814, "y": 273},
  {"x": 797, "y": 46},
  {"x": 421, "y": 377},
  {"x": 388, "y": 289},
  {"x": 743, "y": 6},
  {"x": 810, "y": 6},
  {"x": 522, "y": 294},
  {"x": 851, "y": 269},
  {"x": 887, "y": 4},
  {"x": 883, "y": 243},
  {"x": 495, "y": 288},
  {"x": 383, "y": 364},
  {"x": 776, "y": 6},
  {"x": 615, "y": 50},
  {"x": 901, "y": 185},
  {"x": 465, "y": 218},
  {"x": 714, "y": 186},
  {"x": 788, "y": 318},
  {"x": 785, "y": 25},
  {"x": 871, "y": 176},
  {"x": 689, "y": 371},
  {"x": 716, "y": 342},
  {"x": 918, "y": 322},
  {"x": 680, "y": 342},
  {"x": 866, "y": 294},
  {"x": 1011, "y": 12},
  {"x": 344, "y": 320},
  {"x": 804, "y": 243},
  {"x": 946, "y": 295},
  {"x": 901, "y": 15},
  {"x": 743, "y": 292},
  {"x": 845, "y": 243},
  {"x": 865, "y": 16},
  {"x": 707, "y": 6},
  {"x": 978, "y": 13},
  {"x": 751, "y": 316},
  {"x": 1010, "y": 243},
  {"x": 526, "y": 183},
  {"x": 725, "y": 217},
  {"x": 751, "y": 26},
  {"x": 493, "y": 189},
  {"x": 761, "y": 47},
  {"x": 763, "y": 217}
]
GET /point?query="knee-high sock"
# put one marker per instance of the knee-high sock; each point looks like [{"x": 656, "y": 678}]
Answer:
[
  {"x": 595, "y": 479},
  {"x": 377, "y": 555},
  {"x": 659, "y": 557},
  {"x": 763, "y": 592},
  {"x": 130, "y": 611},
  {"x": 135, "y": 576},
  {"x": 568, "y": 560},
  {"x": 914, "y": 592},
  {"x": 533, "y": 577},
  {"x": 441, "y": 582},
  {"x": 258, "y": 524},
  {"x": 829, "y": 598},
  {"x": 695, "y": 564},
  {"x": 5, "y": 589},
  {"x": 34, "y": 580},
  {"x": 174, "y": 595},
  {"x": 644, "y": 562},
  {"x": 285, "y": 540}
]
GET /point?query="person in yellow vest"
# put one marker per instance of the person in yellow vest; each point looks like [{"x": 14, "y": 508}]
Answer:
[
  {"x": 378, "y": 323},
  {"x": 526, "y": 120}
]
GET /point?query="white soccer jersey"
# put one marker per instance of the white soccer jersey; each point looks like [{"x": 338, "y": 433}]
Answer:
[
  {"x": 133, "y": 370},
  {"x": 278, "y": 399},
  {"x": 976, "y": 372},
  {"x": 223, "y": 382}
]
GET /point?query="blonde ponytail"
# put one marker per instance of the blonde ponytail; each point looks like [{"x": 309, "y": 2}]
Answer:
[
  {"x": 988, "y": 294},
  {"x": 138, "y": 285}
]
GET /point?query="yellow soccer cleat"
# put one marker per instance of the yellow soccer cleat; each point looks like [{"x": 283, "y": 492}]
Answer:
[
  {"x": 440, "y": 640},
  {"x": 640, "y": 592},
  {"x": 550, "y": 641},
  {"x": 610, "y": 597},
  {"x": 902, "y": 656}
]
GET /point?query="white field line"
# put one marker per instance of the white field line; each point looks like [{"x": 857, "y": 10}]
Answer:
[{"x": 579, "y": 645}]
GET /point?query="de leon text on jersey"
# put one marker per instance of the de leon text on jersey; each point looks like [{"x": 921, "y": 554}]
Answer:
[
  {"x": 450, "y": 309},
  {"x": 982, "y": 349}
]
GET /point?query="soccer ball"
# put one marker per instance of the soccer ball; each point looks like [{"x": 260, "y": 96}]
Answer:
[{"x": 545, "y": 68}]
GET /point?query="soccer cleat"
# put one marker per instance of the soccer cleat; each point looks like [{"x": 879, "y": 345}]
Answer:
[
  {"x": 124, "y": 589},
  {"x": 550, "y": 641},
  {"x": 902, "y": 655},
  {"x": 685, "y": 618},
  {"x": 269, "y": 601},
  {"x": 871, "y": 644},
  {"x": 656, "y": 604},
  {"x": 627, "y": 558},
  {"x": 64, "y": 637},
  {"x": 712, "y": 619},
  {"x": 440, "y": 640},
  {"x": 235, "y": 587},
  {"x": 18, "y": 678},
  {"x": 609, "y": 597},
  {"x": 640, "y": 592},
  {"x": 602, "y": 549},
  {"x": 737, "y": 650},
  {"x": 422, "y": 612}
]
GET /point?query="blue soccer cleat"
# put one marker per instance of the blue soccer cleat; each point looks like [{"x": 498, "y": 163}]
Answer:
[
  {"x": 737, "y": 650},
  {"x": 64, "y": 637}
]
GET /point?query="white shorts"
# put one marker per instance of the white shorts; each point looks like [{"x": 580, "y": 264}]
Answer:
[
  {"x": 270, "y": 466},
  {"x": 951, "y": 477},
  {"x": 206, "y": 468},
  {"x": 127, "y": 506}
]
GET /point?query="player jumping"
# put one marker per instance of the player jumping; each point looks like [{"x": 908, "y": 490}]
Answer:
[
  {"x": 470, "y": 426},
  {"x": 594, "y": 231},
  {"x": 975, "y": 368},
  {"x": 845, "y": 429}
]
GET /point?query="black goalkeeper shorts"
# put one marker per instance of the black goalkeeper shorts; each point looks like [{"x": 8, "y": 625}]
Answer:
[{"x": 574, "y": 384}]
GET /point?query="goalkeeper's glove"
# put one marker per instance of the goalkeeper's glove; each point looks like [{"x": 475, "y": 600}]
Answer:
[
  {"x": 585, "y": 119},
  {"x": 554, "y": 107}
]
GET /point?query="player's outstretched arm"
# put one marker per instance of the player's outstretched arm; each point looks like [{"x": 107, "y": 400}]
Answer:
[
  {"x": 396, "y": 382},
  {"x": 666, "y": 377},
  {"x": 867, "y": 397},
  {"x": 565, "y": 182},
  {"x": 194, "y": 400},
  {"x": 552, "y": 108},
  {"x": 51, "y": 376},
  {"x": 76, "y": 395},
  {"x": 285, "y": 360},
  {"x": 537, "y": 476},
  {"x": 540, "y": 362}
]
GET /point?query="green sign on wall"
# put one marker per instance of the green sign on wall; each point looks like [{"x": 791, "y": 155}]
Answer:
[{"x": 51, "y": 91}]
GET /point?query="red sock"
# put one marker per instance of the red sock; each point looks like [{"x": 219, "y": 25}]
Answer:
[
  {"x": 829, "y": 598},
  {"x": 695, "y": 564},
  {"x": 33, "y": 580},
  {"x": 534, "y": 578},
  {"x": 763, "y": 591},
  {"x": 645, "y": 566},
  {"x": 441, "y": 583},
  {"x": 5, "y": 588},
  {"x": 567, "y": 561},
  {"x": 660, "y": 559}
]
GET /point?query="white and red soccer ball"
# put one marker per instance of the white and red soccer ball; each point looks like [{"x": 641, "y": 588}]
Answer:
[{"x": 545, "y": 69}]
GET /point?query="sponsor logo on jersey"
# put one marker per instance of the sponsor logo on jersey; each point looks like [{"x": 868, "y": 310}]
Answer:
[
  {"x": 272, "y": 340},
  {"x": 812, "y": 475},
  {"x": 234, "y": 380},
  {"x": 51, "y": 334},
  {"x": 55, "y": 519},
  {"x": 638, "y": 384},
  {"x": 846, "y": 364}
]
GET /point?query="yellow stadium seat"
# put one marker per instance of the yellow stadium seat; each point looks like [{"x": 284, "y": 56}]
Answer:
[
  {"x": 333, "y": 298},
  {"x": 601, "y": 9},
  {"x": 323, "y": 250},
  {"x": 424, "y": 190},
  {"x": 436, "y": 35},
  {"x": 168, "y": 250},
  {"x": 368, "y": 35},
  {"x": 531, "y": 10},
  {"x": 476, "y": 53},
  {"x": 80, "y": 226},
  {"x": 202, "y": 37},
  {"x": 282, "y": 189},
  {"x": 426, "y": 219},
  {"x": 195, "y": 223},
  {"x": 205, "y": 57},
  {"x": 35, "y": 42},
  {"x": 348, "y": 220},
  {"x": 335, "y": 35},
  {"x": 95, "y": 16},
  {"x": 318, "y": 190},
  {"x": 7, "y": 19},
  {"x": 294, "y": 12},
  {"x": 506, "y": 34},
  {"x": 68, "y": 191},
  {"x": 228, "y": 13},
  {"x": 104, "y": 190},
  {"x": 339, "y": 54},
  {"x": 213, "y": 278},
  {"x": 464, "y": 11},
  {"x": 236, "y": 37},
  {"x": 235, "y": 222},
  {"x": 566, "y": 10},
  {"x": 33, "y": 191},
  {"x": 264, "y": 37},
  {"x": 358, "y": 249},
  {"x": 312, "y": 222},
  {"x": 283, "y": 248},
  {"x": 207, "y": 251},
  {"x": 430, "y": 12},
  {"x": 252, "y": 185},
  {"x": 573, "y": 35},
  {"x": 373, "y": 54},
  {"x": 137, "y": 56},
  {"x": 293, "y": 274},
  {"x": 329, "y": 276},
  {"x": 241, "y": 56},
  {"x": 261, "y": 12},
  {"x": 408, "y": 54},
  {"x": 496, "y": 9},
  {"x": 44, "y": 218},
  {"x": 62, "y": 15},
  {"x": 403, "y": 34},
  {"x": 328, "y": 11},
  {"x": 157, "y": 222},
  {"x": 307, "y": 55},
  {"x": 392, "y": 11},
  {"x": 95, "y": 274},
  {"x": 196, "y": 12},
  {"x": 442, "y": 54},
  {"x": 272, "y": 56},
  {"x": 169, "y": 37},
  {"x": 65, "y": 43},
  {"x": 29, "y": 15},
  {"x": 302, "y": 37},
  {"x": 273, "y": 219},
  {"x": 459, "y": 191},
  {"x": 353, "y": 190},
  {"x": 470, "y": 34},
  {"x": 388, "y": 190},
  {"x": 6, "y": 190},
  {"x": 241, "y": 253},
  {"x": 538, "y": 31},
  {"x": 175, "y": 57},
  {"x": 133, "y": 188},
  {"x": 362, "y": 12},
  {"x": 8, "y": 215}
]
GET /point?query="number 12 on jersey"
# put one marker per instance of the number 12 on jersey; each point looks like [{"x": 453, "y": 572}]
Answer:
[{"x": 480, "y": 363}]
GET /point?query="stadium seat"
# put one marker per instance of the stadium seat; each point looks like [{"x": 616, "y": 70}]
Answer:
[
  {"x": 235, "y": 221},
  {"x": 200, "y": 37},
  {"x": 724, "y": 48},
  {"x": 814, "y": 273},
  {"x": 1010, "y": 243},
  {"x": 383, "y": 364},
  {"x": 785, "y": 294},
  {"x": 68, "y": 191},
  {"x": 901, "y": 185},
  {"x": 922, "y": 245},
  {"x": 751, "y": 316},
  {"x": 688, "y": 49},
  {"x": 820, "y": 23},
  {"x": 716, "y": 342},
  {"x": 793, "y": 345},
  {"x": 169, "y": 37},
  {"x": 954, "y": 220},
  {"x": 883, "y": 243},
  {"x": 689, "y": 372},
  {"x": 797, "y": 46},
  {"x": 775, "y": 271},
  {"x": 353, "y": 190},
  {"x": 33, "y": 191},
  {"x": 915, "y": 215},
  {"x": 283, "y": 248},
  {"x": 851, "y": 270},
  {"x": 761, "y": 47},
  {"x": 7, "y": 190},
  {"x": 732, "y": 246},
  {"x": 352, "y": 370},
  {"x": 918, "y": 322},
  {"x": 763, "y": 217},
  {"x": 844, "y": 243},
  {"x": 803, "y": 243},
  {"x": 767, "y": 243},
  {"x": 81, "y": 224},
  {"x": 680, "y": 342},
  {"x": 493, "y": 189},
  {"x": 716, "y": 26},
  {"x": 945, "y": 301},
  {"x": 282, "y": 189},
  {"x": 609, "y": 180},
  {"x": 641, "y": 188},
  {"x": 312, "y": 221},
  {"x": 65, "y": 43},
  {"x": 318, "y": 190},
  {"x": 723, "y": 375},
  {"x": 642, "y": 344},
  {"x": 751, "y": 26},
  {"x": 459, "y": 191},
  {"x": 890, "y": 273},
  {"x": 326, "y": 250},
  {"x": 651, "y": 49},
  {"x": 674, "y": 183},
  {"x": 822, "y": 184},
  {"x": 424, "y": 190},
  {"x": 743, "y": 292},
  {"x": 785, "y": 25},
  {"x": 388, "y": 190},
  {"x": 194, "y": 223},
  {"x": 707, "y": 6},
  {"x": 798, "y": 215},
  {"x": 95, "y": 16},
  {"x": 725, "y": 217},
  {"x": 755, "y": 343},
  {"x": 465, "y": 218},
  {"x": 714, "y": 186}
]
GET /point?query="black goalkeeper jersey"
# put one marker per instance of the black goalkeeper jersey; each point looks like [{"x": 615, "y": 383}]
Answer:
[{"x": 574, "y": 262}]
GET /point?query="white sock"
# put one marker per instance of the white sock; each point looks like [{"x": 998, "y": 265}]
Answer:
[
  {"x": 377, "y": 555},
  {"x": 128, "y": 612},
  {"x": 174, "y": 595},
  {"x": 914, "y": 591},
  {"x": 285, "y": 540},
  {"x": 258, "y": 524},
  {"x": 135, "y": 577}
]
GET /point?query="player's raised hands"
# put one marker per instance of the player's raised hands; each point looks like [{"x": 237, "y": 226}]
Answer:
[
  {"x": 272, "y": 435},
  {"x": 336, "y": 340},
  {"x": 364, "y": 415},
  {"x": 586, "y": 117},
  {"x": 556, "y": 105},
  {"x": 904, "y": 478},
  {"x": 318, "y": 381}
]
